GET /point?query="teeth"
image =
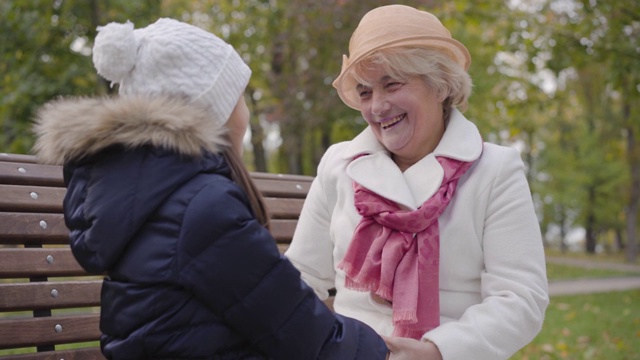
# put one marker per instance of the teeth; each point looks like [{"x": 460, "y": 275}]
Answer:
[{"x": 392, "y": 121}]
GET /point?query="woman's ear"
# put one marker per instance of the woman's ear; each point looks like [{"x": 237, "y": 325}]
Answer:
[{"x": 442, "y": 96}]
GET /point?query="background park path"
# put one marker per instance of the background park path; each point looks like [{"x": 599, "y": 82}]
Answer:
[{"x": 594, "y": 285}]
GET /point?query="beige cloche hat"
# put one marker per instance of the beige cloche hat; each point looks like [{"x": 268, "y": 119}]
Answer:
[{"x": 395, "y": 26}]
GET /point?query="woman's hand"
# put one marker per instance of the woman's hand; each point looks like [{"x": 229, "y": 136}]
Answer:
[{"x": 411, "y": 349}]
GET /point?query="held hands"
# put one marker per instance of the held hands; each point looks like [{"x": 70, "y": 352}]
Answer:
[
  {"x": 405, "y": 348},
  {"x": 411, "y": 349}
]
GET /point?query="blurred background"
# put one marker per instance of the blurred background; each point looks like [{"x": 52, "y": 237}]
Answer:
[{"x": 558, "y": 79}]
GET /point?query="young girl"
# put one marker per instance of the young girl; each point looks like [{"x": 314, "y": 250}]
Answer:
[{"x": 157, "y": 198}]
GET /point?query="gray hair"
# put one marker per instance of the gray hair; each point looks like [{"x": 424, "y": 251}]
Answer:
[{"x": 439, "y": 72}]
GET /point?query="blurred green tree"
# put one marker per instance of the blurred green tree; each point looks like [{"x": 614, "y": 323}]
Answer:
[{"x": 45, "y": 48}]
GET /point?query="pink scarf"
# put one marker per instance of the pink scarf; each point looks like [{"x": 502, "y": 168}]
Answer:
[{"x": 395, "y": 253}]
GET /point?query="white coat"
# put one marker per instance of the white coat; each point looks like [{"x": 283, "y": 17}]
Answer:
[{"x": 493, "y": 286}]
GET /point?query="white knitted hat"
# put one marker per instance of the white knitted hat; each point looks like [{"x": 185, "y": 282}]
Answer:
[{"x": 170, "y": 57}]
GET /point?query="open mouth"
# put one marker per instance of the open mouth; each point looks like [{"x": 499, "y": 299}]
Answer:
[{"x": 392, "y": 122}]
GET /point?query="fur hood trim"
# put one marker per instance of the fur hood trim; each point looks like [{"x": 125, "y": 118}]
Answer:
[{"x": 73, "y": 128}]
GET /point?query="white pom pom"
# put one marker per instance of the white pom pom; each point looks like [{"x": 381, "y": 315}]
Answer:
[{"x": 114, "y": 50}]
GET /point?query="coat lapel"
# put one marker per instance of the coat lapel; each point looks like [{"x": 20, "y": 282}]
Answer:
[{"x": 377, "y": 172}]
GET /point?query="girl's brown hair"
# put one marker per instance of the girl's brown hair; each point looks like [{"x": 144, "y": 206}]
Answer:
[{"x": 241, "y": 176}]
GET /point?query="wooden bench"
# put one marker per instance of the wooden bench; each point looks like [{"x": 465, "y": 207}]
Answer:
[{"x": 49, "y": 306}]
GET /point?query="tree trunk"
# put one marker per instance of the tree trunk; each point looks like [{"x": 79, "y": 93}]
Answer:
[
  {"x": 590, "y": 222},
  {"x": 619, "y": 240},
  {"x": 633, "y": 154},
  {"x": 259, "y": 155},
  {"x": 292, "y": 143},
  {"x": 563, "y": 230},
  {"x": 257, "y": 136}
]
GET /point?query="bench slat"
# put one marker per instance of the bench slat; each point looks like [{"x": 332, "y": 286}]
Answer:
[
  {"x": 49, "y": 229},
  {"x": 280, "y": 208},
  {"x": 18, "y": 198},
  {"x": 282, "y": 230},
  {"x": 41, "y": 228},
  {"x": 49, "y": 295},
  {"x": 26, "y": 198},
  {"x": 24, "y": 263},
  {"x": 42, "y": 331},
  {"x": 48, "y": 262},
  {"x": 283, "y": 188},
  {"x": 6, "y": 157},
  {"x": 18, "y": 173},
  {"x": 24, "y": 173}
]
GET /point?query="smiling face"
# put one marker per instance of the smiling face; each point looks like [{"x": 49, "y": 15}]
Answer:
[{"x": 405, "y": 115}]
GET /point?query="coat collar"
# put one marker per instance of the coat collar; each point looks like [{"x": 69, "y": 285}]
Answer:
[
  {"x": 73, "y": 128},
  {"x": 378, "y": 173}
]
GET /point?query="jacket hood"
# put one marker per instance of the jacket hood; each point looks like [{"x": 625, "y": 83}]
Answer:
[{"x": 73, "y": 128}]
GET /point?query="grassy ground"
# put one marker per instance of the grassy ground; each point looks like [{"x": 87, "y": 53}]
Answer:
[
  {"x": 566, "y": 272},
  {"x": 596, "y": 326},
  {"x": 616, "y": 257},
  {"x": 583, "y": 327}
]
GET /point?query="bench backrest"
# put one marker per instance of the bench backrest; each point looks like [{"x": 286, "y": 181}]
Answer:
[{"x": 47, "y": 301}]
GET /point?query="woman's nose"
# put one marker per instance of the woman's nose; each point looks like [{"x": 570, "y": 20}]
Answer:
[{"x": 379, "y": 103}]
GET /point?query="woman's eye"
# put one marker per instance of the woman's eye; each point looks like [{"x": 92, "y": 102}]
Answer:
[{"x": 364, "y": 94}]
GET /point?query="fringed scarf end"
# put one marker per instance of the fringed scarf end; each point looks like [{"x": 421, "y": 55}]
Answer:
[
  {"x": 406, "y": 316},
  {"x": 358, "y": 281}
]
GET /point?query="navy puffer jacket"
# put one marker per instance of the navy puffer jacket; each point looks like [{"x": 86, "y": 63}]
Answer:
[{"x": 190, "y": 272}]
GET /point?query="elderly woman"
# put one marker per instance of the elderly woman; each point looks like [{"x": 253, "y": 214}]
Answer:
[{"x": 427, "y": 233}]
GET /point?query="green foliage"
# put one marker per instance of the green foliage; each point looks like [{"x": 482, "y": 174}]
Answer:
[
  {"x": 35, "y": 44},
  {"x": 45, "y": 48},
  {"x": 578, "y": 156},
  {"x": 559, "y": 79}
]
